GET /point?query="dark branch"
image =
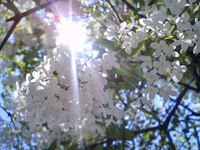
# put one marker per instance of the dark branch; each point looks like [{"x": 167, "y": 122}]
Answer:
[
  {"x": 183, "y": 84},
  {"x": 115, "y": 12},
  {"x": 147, "y": 130},
  {"x": 10, "y": 32},
  {"x": 10, "y": 115},
  {"x": 132, "y": 8},
  {"x": 31, "y": 11},
  {"x": 196, "y": 134},
  {"x": 193, "y": 113},
  {"x": 92, "y": 146},
  {"x": 178, "y": 100},
  {"x": 170, "y": 140},
  {"x": 18, "y": 17},
  {"x": 190, "y": 87}
]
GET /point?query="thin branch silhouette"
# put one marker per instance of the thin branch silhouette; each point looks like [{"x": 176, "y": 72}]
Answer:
[{"x": 18, "y": 17}]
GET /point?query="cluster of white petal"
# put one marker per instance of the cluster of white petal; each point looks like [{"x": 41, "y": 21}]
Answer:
[
  {"x": 71, "y": 98},
  {"x": 161, "y": 26}
]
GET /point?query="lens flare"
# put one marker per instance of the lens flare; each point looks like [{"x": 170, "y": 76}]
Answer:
[{"x": 72, "y": 34}]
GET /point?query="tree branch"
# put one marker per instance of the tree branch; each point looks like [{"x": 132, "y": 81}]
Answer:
[
  {"x": 147, "y": 130},
  {"x": 31, "y": 11},
  {"x": 196, "y": 134},
  {"x": 178, "y": 100},
  {"x": 193, "y": 113},
  {"x": 115, "y": 12},
  {"x": 132, "y": 8},
  {"x": 92, "y": 146},
  {"x": 185, "y": 85},
  {"x": 10, "y": 115},
  {"x": 18, "y": 17},
  {"x": 12, "y": 121},
  {"x": 190, "y": 87},
  {"x": 9, "y": 32},
  {"x": 170, "y": 140}
]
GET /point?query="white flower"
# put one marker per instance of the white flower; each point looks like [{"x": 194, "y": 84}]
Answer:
[
  {"x": 170, "y": 51},
  {"x": 125, "y": 28},
  {"x": 151, "y": 91},
  {"x": 122, "y": 28},
  {"x": 129, "y": 41},
  {"x": 54, "y": 91},
  {"x": 161, "y": 46},
  {"x": 183, "y": 22},
  {"x": 162, "y": 64},
  {"x": 196, "y": 49},
  {"x": 151, "y": 77},
  {"x": 147, "y": 62},
  {"x": 166, "y": 93},
  {"x": 141, "y": 35},
  {"x": 183, "y": 41},
  {"x": 109, "y": 61},
  {"x": 177, "y": 71},
  {"x": 175, "y": 6},
  {"x": 111, "y": 30}
]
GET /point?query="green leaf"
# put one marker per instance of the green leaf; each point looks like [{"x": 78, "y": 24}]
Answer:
[
  {"x": 138, "y": 49},
  {"x": 112, "y": 131},
  {"x": 104, "y": 43},
  {"x": 129, "y": 135},
  {"x": 53, "y": 145},
  {"x": 146, "y": 135},
  {"x": 116, "y": 132}
]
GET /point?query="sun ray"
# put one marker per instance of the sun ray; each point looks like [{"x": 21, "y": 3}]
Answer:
[{"x": 72, "y": 34}]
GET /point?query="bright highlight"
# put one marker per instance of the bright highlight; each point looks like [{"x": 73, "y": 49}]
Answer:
[{"x": 72, "y": 34}]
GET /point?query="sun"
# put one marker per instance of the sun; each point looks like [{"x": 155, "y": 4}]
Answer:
[{"x": 72, "y": 34}]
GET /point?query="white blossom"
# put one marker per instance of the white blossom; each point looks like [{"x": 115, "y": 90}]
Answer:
[
  {"x": 151, "y": 91},
  {"x": 162, "y": 64},
  {"x": 147, "y": 62},
  {"x": 51, "y": 94},
  {"x": 183, "y": 22},
  {"x": 177, "y": 71},
  {"x": 175, "y": 6},
  {"x": 166, "y": 93}
]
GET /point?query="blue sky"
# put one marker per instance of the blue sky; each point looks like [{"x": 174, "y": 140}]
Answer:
[{"x": 3, "y": 114}]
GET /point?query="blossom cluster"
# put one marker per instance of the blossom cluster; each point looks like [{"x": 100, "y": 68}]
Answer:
[
  {"x": 168, "y": 25},
  {"x": 68, "y": 93}
]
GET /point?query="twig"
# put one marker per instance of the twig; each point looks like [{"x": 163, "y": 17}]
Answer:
[
  {"x": 31, "y": 11},
  {"x": 193, "y": 113},
  {"x": 10, "y": 115},
  {"x": 147, "y": 130},
  {"x": 18, "y": 17},
  {"x": 166, "y": 122},
  {"x": 185, "y": 85},
  {"x": 9, "y": 33},
  {"x": 170, "y": 140},
  {"x": 92, "y": 146},
  {"x": 115, "y": 12},
  {"x": 124, "y": 136},
  {"x": 178, "y": 100},
  {"x": 190, "y": 87},
  {"x": 132, "y": 8},
  {"x": 11, "y": 118},
  {"x": 196, "y": 134}
]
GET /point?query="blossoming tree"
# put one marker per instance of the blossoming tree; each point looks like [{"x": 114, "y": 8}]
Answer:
[{"x": 100, "y": 74}]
